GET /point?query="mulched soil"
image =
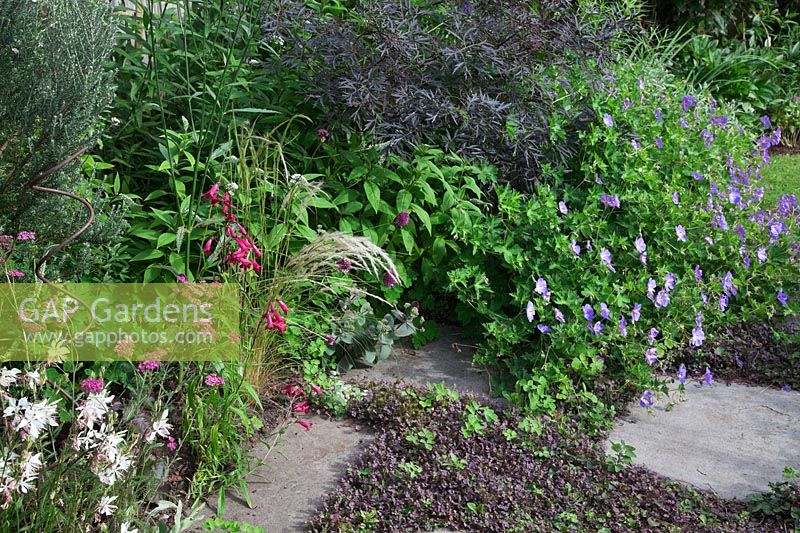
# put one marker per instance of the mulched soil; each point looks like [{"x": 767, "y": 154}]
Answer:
[
  {"x": 756, "y": 353},
  {"x": 550, "y": 479},
  {"x": 785, "y": 150}
]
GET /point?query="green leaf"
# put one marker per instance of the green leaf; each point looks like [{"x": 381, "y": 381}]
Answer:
[
  {"x": 146, "y": 255},
  {"x": 404, "y": 200},
  {"x": 373, "y": 195},
  {"x": 408, "y": 240},
  {"x": 165, "y": 238},
  {"x": 423, "y": 216}
]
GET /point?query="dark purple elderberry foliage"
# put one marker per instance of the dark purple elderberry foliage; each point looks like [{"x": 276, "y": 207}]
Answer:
[
  {"x": 472, "y": 77},
  {"x": 553, "y": 480}
]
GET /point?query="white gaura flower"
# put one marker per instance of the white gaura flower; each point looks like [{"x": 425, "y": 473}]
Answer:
[
  {"x": 115, "y": 470},
  {"x": 126, "y": 528},
  {"x": 29, "y": 470},
  {"x": 31, "y": 419},
  {"x": 160, "y": 427},
  {"x": 105, "y": 505},
  {"x": 34, "y": 378},
  {"x": 94, "y": 408},
  {"x": 8, "y": 376}
]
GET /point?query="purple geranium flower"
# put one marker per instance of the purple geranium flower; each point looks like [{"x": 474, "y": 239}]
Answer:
[
  {"x": 651, "y": 288},
  {"x": 659, "y": 143},
  {"x": 698, "y": 176},
  {"x": 608, "y": 120},
  {"x": 635, "y": 144},
  {"x": 575, "y": 247},
  {"x": 559, "y": 315},
  {"x": 588, "y": 312},
  {"x": 698, "y": 273},
  {"x": 541, "y": 289},
  {"x": 688, "y": 102},
  {"x": 698, "y": 336},
  {"x": 783, "y": 298},
  {"x": 727, "y": 284},
  {"x": 652, "y": 334},
  {"x": 605, "y": 257},
  {"x": 761, "y": 255},
  {"x": 623, "y": 326},
  {"x": 544, "y": 328},
  {"x": 640, "y": 245},
  {"x": 662, "y": 299},
  {"x": 735, "y": 196},
  {"x": 636, "y": 313},
  {"x": 669, "y": 281},
  {"x": 604, "y": 311},
  {"x": 562, "y": 207},
  {"x": 741, "y": 231},
  {"x": 676, "y": 199},
  {"x": 723, "y": 302},
  {"x": 647, "y": 399},
  {"x": 530, "y": 311},
  {"x": 708, "y": 378},
  {"x": 766, "y": 122},
  {"x": 610, "y": 200},
  {"x": 680, "y": 231},
  {"x": 657, "y": 113},
  {"x": 596, "y": 328},
  {"x": 682, "y": 374},
  {"x": 651, "y": 355}
]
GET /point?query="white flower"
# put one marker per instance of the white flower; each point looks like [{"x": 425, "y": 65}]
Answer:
[
  {"x": 8, "y": 376},
  {"x": 115, "y": 470},
  {"x": 94, "y": 408},
  {"x": 126, "y": 528},
  {"x": 29, "y": 467},
  {"x": 160, "y": 427},
  {"x": 105, "y": 505},
  {"x": 34, "y": 378},
  {"x": 31, "y": 418}
]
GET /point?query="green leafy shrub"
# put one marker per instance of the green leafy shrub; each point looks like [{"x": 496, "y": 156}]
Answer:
[
  {"x": 566, "y": 291},
  {"x": 51, "y": 104}
]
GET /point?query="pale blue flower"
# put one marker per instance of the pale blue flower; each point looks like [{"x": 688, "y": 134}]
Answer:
[{"x": 530, "y": 311}]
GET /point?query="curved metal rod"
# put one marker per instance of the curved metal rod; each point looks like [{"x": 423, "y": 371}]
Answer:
[
  {"x": 53, "y": 170},
  {"x": 63, "y": 244}
]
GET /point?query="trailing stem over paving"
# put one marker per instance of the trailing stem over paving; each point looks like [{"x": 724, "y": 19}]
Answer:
[{"x": 589, "y": 189}]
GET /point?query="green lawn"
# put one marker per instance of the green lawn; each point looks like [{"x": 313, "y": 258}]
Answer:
[{"x": 782, "y": 176}]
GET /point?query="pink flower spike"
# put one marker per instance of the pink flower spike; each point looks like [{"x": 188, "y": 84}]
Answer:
[
  {"x": 211, "y": 194},
  {"x": 283, "y": 307},
  {"x": 207, "y": 246},
  {"x": 148, "y": 366},
  {"x": 305, "y": 424},
  {"x": 93, "y": 386},
  {"x": 214, "y": 380},
  {"x": 301, "y": 407},
  {"x": 316, "y": 388},
  {"x": 181, "y": 278}
]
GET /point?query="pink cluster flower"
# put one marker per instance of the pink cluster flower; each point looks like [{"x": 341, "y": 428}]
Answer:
[
  {"x": 402, "y": 219},
  {"x": 276, "y": 319},
  {"x": 92, "y": 385},
  {"x": 26, "y": 235},
  {"x": 246, "y": 254},
  {"x": 15, "y": 274},
  {"x": 148, "y": 366},
  {"x": 172, "y": 443},
  {"x": 297, "y": 395},
  {"x": 214, "y": 380}
]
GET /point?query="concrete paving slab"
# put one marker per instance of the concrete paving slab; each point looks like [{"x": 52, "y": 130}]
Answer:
[
  {"x": 447, "y": 359},
  {"x": 296, "y": 474},
  {"x": 732, "y": 439}
]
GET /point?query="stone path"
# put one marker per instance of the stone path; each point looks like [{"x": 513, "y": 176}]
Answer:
[
  {"x": 305, "y": 465},
  {"x": 732, "y": 439}
]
